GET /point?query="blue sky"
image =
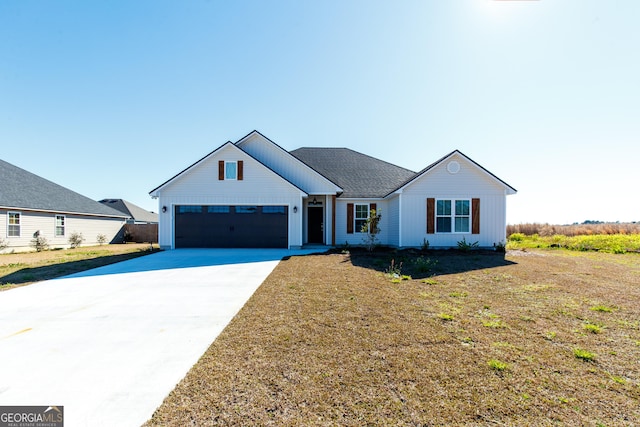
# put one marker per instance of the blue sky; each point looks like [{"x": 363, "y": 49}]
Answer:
[{"x": 112, "y": 98}]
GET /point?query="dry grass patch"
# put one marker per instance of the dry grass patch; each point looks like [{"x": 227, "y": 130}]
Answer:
[
  {"x": 331, "y": 340},
  {"x": 22, "y": 268}
]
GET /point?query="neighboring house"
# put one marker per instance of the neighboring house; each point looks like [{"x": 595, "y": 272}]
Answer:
[
  {"x": 31, "y": 205},
  {"x": 253, "y": 193},
  {"x": 136, "y": 214},
  {"x": 142, "y": 225}
]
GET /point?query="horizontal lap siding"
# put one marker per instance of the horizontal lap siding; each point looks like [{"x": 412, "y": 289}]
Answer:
[
  {"x": 44, "y": 222},
  {"x": 468, "y": 183}
]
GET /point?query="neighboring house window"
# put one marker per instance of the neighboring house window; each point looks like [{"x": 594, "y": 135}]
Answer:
[
  {"x": 13, "y": 228},
  {"x": 59, "y": 225},
  {"x": 453, "y": 215},
  {"x": 230, "y": 170},
  {"x": 361, "y": 216}
]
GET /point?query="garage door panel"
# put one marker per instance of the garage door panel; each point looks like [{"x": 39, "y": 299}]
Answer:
[{"x": 231, "y": 226}]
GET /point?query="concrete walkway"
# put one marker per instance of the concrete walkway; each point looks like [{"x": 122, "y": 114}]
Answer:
[{"x": 109, "y": 344}]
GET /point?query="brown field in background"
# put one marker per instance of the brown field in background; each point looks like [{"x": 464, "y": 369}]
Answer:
[{"x": 544, "y": 230}]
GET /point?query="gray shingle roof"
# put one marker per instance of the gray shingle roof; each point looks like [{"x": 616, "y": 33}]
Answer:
[
  {"x": 134, "y": 211},
  {"x": 359, "y": 175},
  {"x": 20, "y": 189}
]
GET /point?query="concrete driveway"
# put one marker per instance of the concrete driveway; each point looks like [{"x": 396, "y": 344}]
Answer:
[{"x": 109, "y": 344}]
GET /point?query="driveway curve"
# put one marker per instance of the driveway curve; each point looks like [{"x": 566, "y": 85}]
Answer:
[{"x": 109, "y": 344}]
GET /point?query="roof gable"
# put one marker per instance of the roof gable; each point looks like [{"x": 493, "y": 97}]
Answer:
[
  {"x": 360, "y": 176},
  {"x": 24, "y": 190},
  {"x": 226, "y": 146},
  {"x": 130, "y": 209},
  {"x": 287, "y": 164},
  {"x": 432, "y": 167}
]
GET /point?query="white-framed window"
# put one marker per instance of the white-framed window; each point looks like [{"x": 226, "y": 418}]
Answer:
[
  {"x": 453, "y": 215},
  {"x": 13, "y": 225},
  {"x": 60, "y": 220},
  {"x": 361, "y": 216},
  {"x": 230, "y": 170}
]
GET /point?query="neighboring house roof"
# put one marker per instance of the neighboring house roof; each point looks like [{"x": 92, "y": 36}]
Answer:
[
  {"x": 134, "y": 211},
  {"x": 359, "y": 175},
  {"x": 24, "y": 190}
]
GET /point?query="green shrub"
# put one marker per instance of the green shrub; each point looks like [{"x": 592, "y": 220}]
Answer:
[
  {"x": 465, "y": 246},
  {"x": 39, "y": 243},
  {"x": 424, "y": 265},
  {"x": 75, "y": 239},
  {"x": 517, "y": 237}
]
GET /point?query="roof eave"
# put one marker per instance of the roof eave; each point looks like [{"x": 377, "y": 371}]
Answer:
[{"x": 66, "y": 212}]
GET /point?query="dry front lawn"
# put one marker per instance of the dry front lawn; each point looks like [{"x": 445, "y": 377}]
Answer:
[
  {"x": 533, "y": 338},
  {"x": 22, "y": 268}
]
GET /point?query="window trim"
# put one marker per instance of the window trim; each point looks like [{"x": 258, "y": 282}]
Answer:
[
  {"x": 19, "y": 224},
  {"x": 226, "y": 176},
  {"x": 63, "y": 226},
  {"x": 357, "y": 229},
  {"x": 454, "y": 215}
]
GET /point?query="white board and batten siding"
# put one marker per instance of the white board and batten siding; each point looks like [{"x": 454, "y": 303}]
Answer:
[
  {"x": 200, "y": 186},
  {"x": 45, "y": 223},
  {"x": 356, "y": 238},
  {"x": 467, "y": 182}
]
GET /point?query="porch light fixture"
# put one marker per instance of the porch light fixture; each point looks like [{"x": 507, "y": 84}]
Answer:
[
  {"x": 295, "y": 209},
  {"x": 314, "y": 202},
  {"x": 164, "y": 209}
]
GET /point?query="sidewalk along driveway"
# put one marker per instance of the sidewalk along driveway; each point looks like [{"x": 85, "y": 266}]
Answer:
[{"x": 109, "y": 344}]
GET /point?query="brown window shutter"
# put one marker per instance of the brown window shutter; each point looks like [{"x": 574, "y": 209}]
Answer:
[
  {"x": 372, "y": 207},
  {"x": 220, "y": 170},
  {"x": 431, "y": 216},
  {"x": 349, "y": 218},
  {"x": 475, "y": 216},
  {"x": 240, "y": 170}
]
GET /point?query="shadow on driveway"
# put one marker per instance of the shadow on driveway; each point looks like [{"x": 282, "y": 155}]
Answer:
[{"x": 189, "y": 258}]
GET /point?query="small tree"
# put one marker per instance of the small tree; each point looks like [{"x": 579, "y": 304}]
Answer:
[
  {"x": 101, "y": 239},
  {"x": 3, "y": 244},
  {"x": 39, "y": 243},
  {"x": 75, "y": 239},
  {"x": 370, "y": 229}
]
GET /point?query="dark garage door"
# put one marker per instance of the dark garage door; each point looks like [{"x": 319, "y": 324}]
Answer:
[{"x": 231, "y": 226}]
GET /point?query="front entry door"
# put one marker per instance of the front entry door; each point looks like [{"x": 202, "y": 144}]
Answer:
[{"x": 314, "y": 224}]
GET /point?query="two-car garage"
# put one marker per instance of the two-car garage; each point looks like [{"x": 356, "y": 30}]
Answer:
[{"x": 225, "y": 226}]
